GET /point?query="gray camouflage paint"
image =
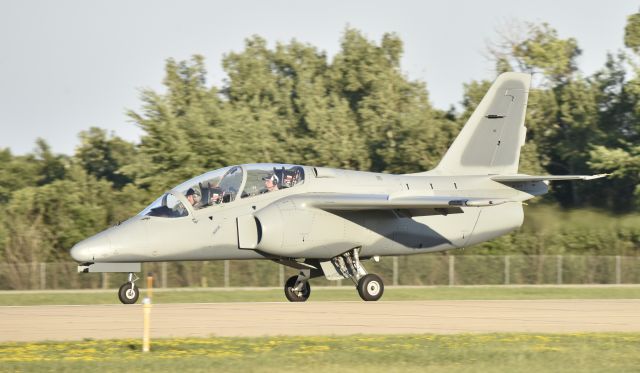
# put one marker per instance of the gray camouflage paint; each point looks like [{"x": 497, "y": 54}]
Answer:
[{"x": 334, "y": 210}]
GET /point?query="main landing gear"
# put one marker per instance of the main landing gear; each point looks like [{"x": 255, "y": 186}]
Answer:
[
  {"x": 129, "y": 292},
  {"x": 370, "y": 287}
]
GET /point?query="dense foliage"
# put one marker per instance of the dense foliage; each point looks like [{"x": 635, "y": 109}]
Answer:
[{"x": 291, "y": 103}]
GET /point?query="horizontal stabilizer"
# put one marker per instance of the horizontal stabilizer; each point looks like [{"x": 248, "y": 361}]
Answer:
[
  {"x": 353, "y": 202},
  {"x": 522, "y": 178}
]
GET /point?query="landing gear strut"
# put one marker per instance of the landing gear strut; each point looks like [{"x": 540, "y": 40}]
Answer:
[
  {"x": 370, "y": 287},
  {"x": 346, "y": 265},
  {"x": 129, "y": 292},
  {"x": 297, "y": 288}
]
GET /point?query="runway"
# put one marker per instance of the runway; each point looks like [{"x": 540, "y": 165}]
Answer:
[{"x": 36, "y": 323}]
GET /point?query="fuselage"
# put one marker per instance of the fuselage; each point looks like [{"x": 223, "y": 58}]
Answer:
[{"x": 212, "y": 232}]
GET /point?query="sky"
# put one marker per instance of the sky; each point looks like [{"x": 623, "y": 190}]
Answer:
[{"x": 68, "y": 65}]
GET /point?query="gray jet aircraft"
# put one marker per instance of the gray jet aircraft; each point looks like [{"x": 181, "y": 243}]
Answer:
[{"x": 324, "y": 221}]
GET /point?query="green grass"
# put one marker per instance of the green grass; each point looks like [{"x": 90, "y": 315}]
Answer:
[
  {"x": 326, "y": 294},
  {"x": 602, "y": 352}
]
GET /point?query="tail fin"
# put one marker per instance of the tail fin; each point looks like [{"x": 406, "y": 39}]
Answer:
[{"x": 490, "y": 141}]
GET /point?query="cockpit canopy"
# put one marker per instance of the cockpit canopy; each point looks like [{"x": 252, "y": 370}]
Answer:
[
  {"x": 224, "y": 186},
  {"x": 266, "y": 178}
]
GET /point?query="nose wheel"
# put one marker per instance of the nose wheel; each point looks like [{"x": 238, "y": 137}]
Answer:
[
  {"x": 297, "y": 289},
  {"x": 129, "y": 292}
]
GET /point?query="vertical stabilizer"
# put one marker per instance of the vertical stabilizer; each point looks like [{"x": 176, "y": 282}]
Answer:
[{"x": 490, "y": 141}]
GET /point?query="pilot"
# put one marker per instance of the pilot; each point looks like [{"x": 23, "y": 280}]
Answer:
[
  {"x": 288, "y": 180},
  {"x": 179, "y": 210},
  {"x": 270, "y": 183},
  {"x": 291, "y": 177},
  {"x": 192, "y": 197}
]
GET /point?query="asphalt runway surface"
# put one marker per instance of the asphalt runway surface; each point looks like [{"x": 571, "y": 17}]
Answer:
[{"x": 37, "y": 323}]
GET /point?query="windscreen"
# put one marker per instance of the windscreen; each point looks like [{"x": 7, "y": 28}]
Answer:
[{"x": 167, "y": 206}]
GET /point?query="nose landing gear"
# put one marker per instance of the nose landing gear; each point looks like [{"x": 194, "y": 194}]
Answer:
[
  {"x": 129, "y": 292},
  {"x": 297, "y": 288}
]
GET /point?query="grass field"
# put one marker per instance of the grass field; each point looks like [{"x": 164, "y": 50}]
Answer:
[
  {"x": 323, "y": 294},
  {"x": 398, "y": 353}
]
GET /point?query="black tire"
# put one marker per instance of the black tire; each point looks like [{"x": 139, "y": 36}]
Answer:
[
  {"x": 128, "y": 293},
  {"x": 370, "y": 287},
  {"x": 294, "y": 296}
]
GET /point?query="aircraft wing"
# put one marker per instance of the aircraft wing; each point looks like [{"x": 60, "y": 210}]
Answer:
[
  {"x": 521, "y": 178},
  {"x": 340, "y": 201}
]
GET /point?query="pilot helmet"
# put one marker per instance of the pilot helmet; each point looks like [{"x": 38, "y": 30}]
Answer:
[
  {"x": 193, "y": 193},
  {"x": 273, "y": 177}
]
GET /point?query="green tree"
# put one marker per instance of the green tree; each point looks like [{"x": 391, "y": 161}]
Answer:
[
  {"x": 288, "y": 104},
  {"x": 51, "y": 166},
  {"x": 177, "y": 140},
  {"x": 402, "y": 130},
  {"x": 271, "y": 89},
  {"x": 624, "y": 166},
  {"x": 16, "y": 172},
  {"x": 619, "y": 122},
  {"x": 632, "y": 33},
  {"x": 102, "y": 156},
  {"x": 26, "y": 241},
  {"x": 543, "y": 51}
]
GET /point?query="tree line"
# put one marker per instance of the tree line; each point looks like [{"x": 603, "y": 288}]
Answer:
[{"x": 291, "y": 103}]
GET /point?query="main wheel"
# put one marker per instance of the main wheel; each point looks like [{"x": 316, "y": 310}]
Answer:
[
  {"x": 370, "y": 287},
  {"x": 296, "y": 296},
  {"x": 128, "y": 293}
]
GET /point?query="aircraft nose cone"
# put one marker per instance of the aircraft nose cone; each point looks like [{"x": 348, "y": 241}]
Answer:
[
  {"x": 87, "y": 250},
  {"x": 81, "y": 252}
]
